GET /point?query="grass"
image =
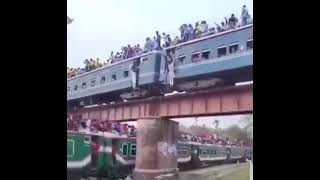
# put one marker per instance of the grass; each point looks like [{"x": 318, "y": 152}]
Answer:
[{"x": 242, "y": 174}]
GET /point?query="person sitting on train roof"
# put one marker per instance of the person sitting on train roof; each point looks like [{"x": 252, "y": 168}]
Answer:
[
  {"x": 212, "y": 31},
  {"x": 111, "y": 59},
  {"x": 124, "y": 53},
  {"x": 166, "y": 40},
  {"x": 204, "y": 26},
  {"x": 86, "y": 65},
  {"x": 83, "y": 127},
  {"x": 169, "y": 39},
  {"x": 148, "y": 45},
  {"x": 181, "y": 31},
  {"x": 130, "y": 52},
  {"x": 190, "y": 32},
  {"x": 185, "y": 36},
  {"x": 198, "y": 30},
  {"x": 138, "y": 50},
  {"x": 121, "y": 56},
  {"x": 221, "y": 28},
  {"x": 176, "y": 41},
  {"x": 94, "y": 125}
]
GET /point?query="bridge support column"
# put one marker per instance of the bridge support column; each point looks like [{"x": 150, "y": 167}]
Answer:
[{"x": 156, "y": 149}]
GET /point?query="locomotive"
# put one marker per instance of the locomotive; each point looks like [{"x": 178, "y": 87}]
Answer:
[
  {"x": 115, "y": 157},
  {"x": 220, "y": 59}
]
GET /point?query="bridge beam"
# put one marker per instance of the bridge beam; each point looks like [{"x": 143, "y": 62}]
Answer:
[
  {"x": 157, "y": 155},
  {"x": 225, "y": 101}
]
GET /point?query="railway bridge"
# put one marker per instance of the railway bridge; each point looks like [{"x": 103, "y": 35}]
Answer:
[{"x": 157, "y": 134}]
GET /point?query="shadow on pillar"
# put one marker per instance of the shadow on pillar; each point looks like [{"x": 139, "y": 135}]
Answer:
[{"x": 156, "y": 156}]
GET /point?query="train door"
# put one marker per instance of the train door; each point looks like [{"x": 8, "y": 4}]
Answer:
[
  {"x": 95, "y": 146},
  {"x": 115, "y": 150}
]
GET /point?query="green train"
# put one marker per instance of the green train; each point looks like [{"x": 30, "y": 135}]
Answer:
[{"x": 107, "y": 155}]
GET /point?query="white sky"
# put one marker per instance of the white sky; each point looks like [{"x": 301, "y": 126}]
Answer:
[
  {"x": 102, "y": 26},
  {"x": 224, "y": 121}
]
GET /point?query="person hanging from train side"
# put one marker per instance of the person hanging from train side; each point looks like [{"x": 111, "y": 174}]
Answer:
[
  {"x": 169, "y": 70},
  {"x": 135, "y": 73}
]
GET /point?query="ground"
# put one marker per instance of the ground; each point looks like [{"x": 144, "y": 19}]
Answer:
[
  {"x": 242, "y": 174},
  {"x": 222, "y": 172}
]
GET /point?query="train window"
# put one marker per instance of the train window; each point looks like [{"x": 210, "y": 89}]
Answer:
[
  {"x": 222, "y": 51},
  {"x": 103, "y": 79},
  {"x": 133, "y": 149},
  {"x": 68, "y": 88},
  {"x": 195, "y": 57},
  {"x": 203, "y": 151},
  {"x": 93, "y": 82},
  {"x": 84, "y": 85},
  {"x": 205, "y": 54},
  {"x": 208, "y": 151},
  {"x": 87, "y": 140},
  {"x": 124, "y": 150},
  {"x": 233, "y": 48},
  {"x": 250, "y": 44},
  {"x": 181, "y": 59},
  {"x": 75, "y": 87},
  {"x": 125, "y": 73},
  {"x": 114, "y": 77}
]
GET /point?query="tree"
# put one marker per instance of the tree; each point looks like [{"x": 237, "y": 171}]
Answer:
[
  {"x": 247, "y": 122},
  {"x": 69, "y": 20}
]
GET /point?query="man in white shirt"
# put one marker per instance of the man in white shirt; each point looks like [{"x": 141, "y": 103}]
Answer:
[
  {"x": 244, "y": 15},
  {"x": 165, "y": 40}
]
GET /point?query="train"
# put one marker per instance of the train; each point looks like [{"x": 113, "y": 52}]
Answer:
[
  {"x": 216, "y": 60},
  {"x": 115, "y": 156}
]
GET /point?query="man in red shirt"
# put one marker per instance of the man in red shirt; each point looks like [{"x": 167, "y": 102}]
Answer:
[{"x": 95, "y": 151}]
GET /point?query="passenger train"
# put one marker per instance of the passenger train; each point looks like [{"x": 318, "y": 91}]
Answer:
[
  {"x": 116, "y": 155},
  {"x": 223, "y": 58}
]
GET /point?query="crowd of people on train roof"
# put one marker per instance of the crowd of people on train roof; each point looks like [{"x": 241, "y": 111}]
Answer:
[
  {"x": 211, "y": 139},
  {"x": 95, "y": 126},
  {"x": 158, "y": 42},
  {"x": 125, "y": 130}
]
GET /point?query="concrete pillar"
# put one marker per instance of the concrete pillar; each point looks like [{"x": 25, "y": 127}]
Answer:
[{"x": 156, "y": 149}]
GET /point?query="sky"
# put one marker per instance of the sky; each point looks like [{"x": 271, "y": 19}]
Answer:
[
  {"x": 224, "y": 121},
  {"x": 102, "y": 26}
]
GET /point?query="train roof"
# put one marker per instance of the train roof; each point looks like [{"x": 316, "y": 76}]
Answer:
[
  {"x": 116, "y": 63},
  {"x": 103, "y": 134},
  {"x": 171, "y": 47}
]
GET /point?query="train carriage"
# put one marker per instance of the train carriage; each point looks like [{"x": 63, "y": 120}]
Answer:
[
  {"x": 107, "y": 84},
  {"x": 78, "y": 155},
  {"x": 236, "y": 153},
  {"x": 220, "y": 59},
  {"x": 226, "y": 56},
  {"x": 115, "y": 156}
]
